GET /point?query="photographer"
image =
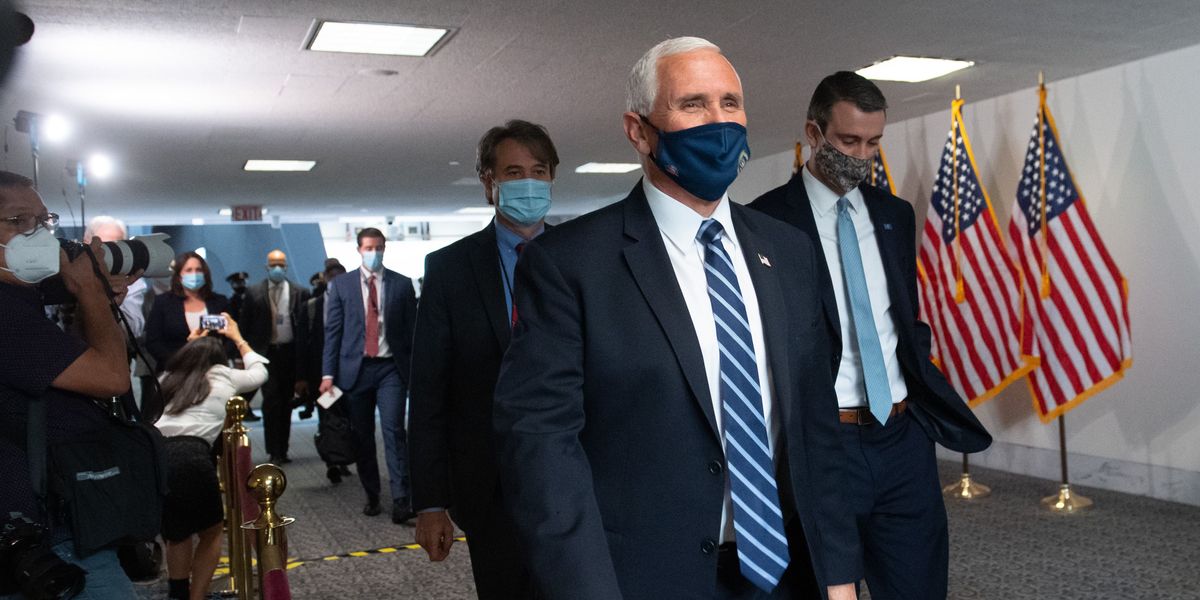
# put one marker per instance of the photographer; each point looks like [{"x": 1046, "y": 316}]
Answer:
[
  {"x": 39, "y": 363},
  {"x": 195, "y": 387}
]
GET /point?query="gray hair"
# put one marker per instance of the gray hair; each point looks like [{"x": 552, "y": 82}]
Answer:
[
  {"x": 642, "y": 87},
  {"x": 103, "y": 221}
]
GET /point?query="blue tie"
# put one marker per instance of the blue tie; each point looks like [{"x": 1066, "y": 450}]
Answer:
[
  {"x": 762, "y": 547},
  {"x": 870, "y": 352}
]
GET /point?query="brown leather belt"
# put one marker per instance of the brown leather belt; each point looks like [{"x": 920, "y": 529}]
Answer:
[{"x": 863, "y": 416}]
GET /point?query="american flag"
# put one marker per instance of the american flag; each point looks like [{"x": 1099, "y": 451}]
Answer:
[
  {"x": 1077, "y": 301},
  {"x": 971, "y": 291},
  {"x": 880, "y": 176}
]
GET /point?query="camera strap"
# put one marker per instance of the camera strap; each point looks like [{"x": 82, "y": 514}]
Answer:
[{"x": 35, "y": 447}]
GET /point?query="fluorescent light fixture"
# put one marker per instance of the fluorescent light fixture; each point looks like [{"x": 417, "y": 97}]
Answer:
[
  {"x": 100, "y": 166},
  {"x": 56, "y": 128},
  {"x": 197, "y": 221},
  {"x": 279, "y": 165},
  {"x": 376, "y": 38},
  {"x": 225, "y": 212},
  {"x": 595, "y": 167},
  {"x": 476, "y": 210},
  {"x": 465, "y": 181},
  {"x": 913, "y": 69}
]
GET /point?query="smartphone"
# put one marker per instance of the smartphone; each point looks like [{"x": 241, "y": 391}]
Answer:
[{"x": 212, "y": 322}]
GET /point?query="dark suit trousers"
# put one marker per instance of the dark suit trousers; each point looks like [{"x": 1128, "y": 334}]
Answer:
[
  {"x": 896, "y": 496},
  {"x": 798, "y": 582},
  {"x": 277, "y": 398},
  {"x": 496, "y": 563},
  {"x": 379, "y": 385}
]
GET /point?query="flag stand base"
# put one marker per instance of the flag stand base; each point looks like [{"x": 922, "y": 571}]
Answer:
[
  {"x": 1067, "y": 502},
  {"x": 967, "y": 489}
]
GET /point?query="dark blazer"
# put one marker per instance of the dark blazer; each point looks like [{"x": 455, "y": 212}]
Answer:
[
  {"x": 167, "y": 329},
  {"x": 345, "y": 329},
  {"x": 255, "y": 317},
  {"x": 310, "y": 341},
  {"x": 941, "y": 412},
  {"x": 461, "y": 334},
  {"x": 608, "y": 445}
]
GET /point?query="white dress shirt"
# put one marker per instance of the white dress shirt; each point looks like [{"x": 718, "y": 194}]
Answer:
[
  {"x": 204, "y": 420},
  {"x": 364, "y": 273},
  {"x": 282, "y": 312},
  {"x": 131, "y": 307},
  {"x": 679, "y": 225},
  {"x": 850, "y": 386}
]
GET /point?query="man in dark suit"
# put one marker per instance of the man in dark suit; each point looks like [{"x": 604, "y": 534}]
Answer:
[
  {"x": 269, "y": 322},
  {"x": 885, "y": 381},
  {"x": 665, "y": 415},
  {"x": 463, "y": 329},
  {"x": 369, "y": 314}
]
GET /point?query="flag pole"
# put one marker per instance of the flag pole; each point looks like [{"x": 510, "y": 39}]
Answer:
[{"x": 1066, "y": 501}]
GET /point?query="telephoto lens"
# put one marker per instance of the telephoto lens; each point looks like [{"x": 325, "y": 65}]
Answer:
[{"x": 149, "y": 253}]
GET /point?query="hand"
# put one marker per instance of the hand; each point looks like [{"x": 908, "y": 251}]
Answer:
[
  {"x": 435, "y": 533},
  {"x": 78, "y": 276},
  {"x": 120, "y": 284},
  {"x": 326, "y": 385},
  {"x": 301, "y": 388},
  {"x": 844, "y": 591},
  {"x": 231, "y": 330},
  {"x": 197, "y": 333}
]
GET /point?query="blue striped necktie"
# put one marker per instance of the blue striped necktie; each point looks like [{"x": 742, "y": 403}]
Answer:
[
  {"x": 762, "y": 548},
  {"x": 870, "y": 352}
]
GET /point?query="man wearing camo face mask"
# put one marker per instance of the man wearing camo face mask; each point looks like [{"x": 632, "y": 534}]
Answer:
[{"x": 894, "y": 404}]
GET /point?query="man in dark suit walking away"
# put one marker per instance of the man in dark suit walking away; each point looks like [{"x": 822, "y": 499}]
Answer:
[
  {"x": 269, "y": 317},
  {"x": 665, "y": 414},
  {"x": 463, "y": 327},
  {"x": 893, "y": 402},
  {"x": 369, "y": 314}
]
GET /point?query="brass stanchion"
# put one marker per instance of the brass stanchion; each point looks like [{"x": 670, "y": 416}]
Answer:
[
  {"x": 235, "y": 437},
  {"x": 966, "y": 488},
  {"x": 267, "y": 482},
  {"x": 1066, "y": 501}
]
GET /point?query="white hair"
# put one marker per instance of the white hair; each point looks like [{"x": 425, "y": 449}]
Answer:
[
  {"x": 104, "y": 221},
  {"x": 642, "y": 87}
]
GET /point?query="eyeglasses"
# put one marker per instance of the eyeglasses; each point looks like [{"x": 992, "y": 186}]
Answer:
[{"x": 27, "y": 224}]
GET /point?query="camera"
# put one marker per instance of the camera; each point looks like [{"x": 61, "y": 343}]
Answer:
[
  {"x": 212, "y": 322},
  {"x": 29, "y": 565},
  {"x": 150, "y": 253}
]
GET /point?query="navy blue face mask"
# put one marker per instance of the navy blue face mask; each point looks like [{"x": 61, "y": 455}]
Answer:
[{"x": 704, "y": 160}]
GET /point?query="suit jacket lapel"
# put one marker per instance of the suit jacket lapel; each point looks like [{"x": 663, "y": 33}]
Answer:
[
  {"x": 651, "y": 269},
  {"x": 772, "y": 307},
  {"x": 485, "y": 266},
  {"x": 802, "y": 216},
  {"x": 355, "y": 299},
  {"x": 885, "y": 237}
]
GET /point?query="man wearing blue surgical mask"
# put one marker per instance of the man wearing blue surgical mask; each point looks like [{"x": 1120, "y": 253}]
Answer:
[
  {"x": 268, "y": 321},
  {"x": 664, "y": 425},
  {"x": 458, "y": 346}
]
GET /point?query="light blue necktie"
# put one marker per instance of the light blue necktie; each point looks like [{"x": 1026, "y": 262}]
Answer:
[
  {"x": 870, "y": 352},
  {"x": 762, "y": 547}
]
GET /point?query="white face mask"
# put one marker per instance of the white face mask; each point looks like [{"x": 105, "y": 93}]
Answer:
[{"x": 32, "y": 258}]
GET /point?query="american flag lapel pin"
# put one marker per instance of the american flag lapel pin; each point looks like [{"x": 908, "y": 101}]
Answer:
[
  {"x": 887, "y": 226},
  {"x": 762, "y": 259}
]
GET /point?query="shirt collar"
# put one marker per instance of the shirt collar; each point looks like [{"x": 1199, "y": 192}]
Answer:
[
  {"x": 679, "y": 223},
  {"x": 824, "y": 200},
  {"x": 366, "y": 273},
  {"x": 508, "y": 239}
]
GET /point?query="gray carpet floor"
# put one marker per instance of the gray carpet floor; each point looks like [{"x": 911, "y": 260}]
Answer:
[{"x": 1005, "y": 546}]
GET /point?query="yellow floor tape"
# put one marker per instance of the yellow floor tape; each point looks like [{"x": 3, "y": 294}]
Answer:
[{"x": 292, "y": 563}]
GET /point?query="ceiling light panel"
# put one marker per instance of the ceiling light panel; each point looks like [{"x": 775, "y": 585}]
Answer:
[
  {"x": 279, "y": 165},
  {"x": 912, "y": 69},
  {"x": 595, "y": 167},
  {"x": 376, "y": 38}
]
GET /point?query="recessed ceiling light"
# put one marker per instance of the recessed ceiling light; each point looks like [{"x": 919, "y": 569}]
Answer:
[
  {"x": 279, "y": 165},
  {"x": 100, "y": 165},
  {"x": 595, "y": 167},
  {"x": 197, "y": 221},
  {"x": 465, "y": 181},
  {"x": 376, "y": 38},
  {"x": 476, "y": 210},
  {"x": 913, "y": 69}
]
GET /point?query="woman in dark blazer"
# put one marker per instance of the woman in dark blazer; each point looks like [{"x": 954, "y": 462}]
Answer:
[{"x": 175, "y": 314}]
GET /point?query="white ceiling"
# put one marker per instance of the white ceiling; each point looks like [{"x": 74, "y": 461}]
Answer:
[{"x": 180, "y": 94}]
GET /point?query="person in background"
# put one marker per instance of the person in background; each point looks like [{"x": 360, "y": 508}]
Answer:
[
  {"x": 369, "y": 316},
  {"x": 237, "y": 282},
  {"x": 310, "y": 344},
  {"x": 457, "y": 348},
  {"x": 268, "y": 317},
  {"x": 177, "y": 313},
  {"x": 196, "y": 384},
  {"x": 110, "y": 229}
]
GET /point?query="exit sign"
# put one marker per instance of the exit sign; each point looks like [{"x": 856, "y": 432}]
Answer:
[{"x": 247, "y": 213}]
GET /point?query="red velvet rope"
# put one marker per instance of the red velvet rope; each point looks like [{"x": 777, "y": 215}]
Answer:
[{"x": 275, "y": 585}]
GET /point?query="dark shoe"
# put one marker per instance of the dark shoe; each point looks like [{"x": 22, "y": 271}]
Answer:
[
  {"x": 280, "y": 460},
  {"x": 372, "y": 508},
  {"x": 307, "y": 413},
  {"x": 401, "y": 514},
  {"x": 334, "y": 474},
  {"x": 251, "y": 416},
  {"x": 345, "y": 470}
]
